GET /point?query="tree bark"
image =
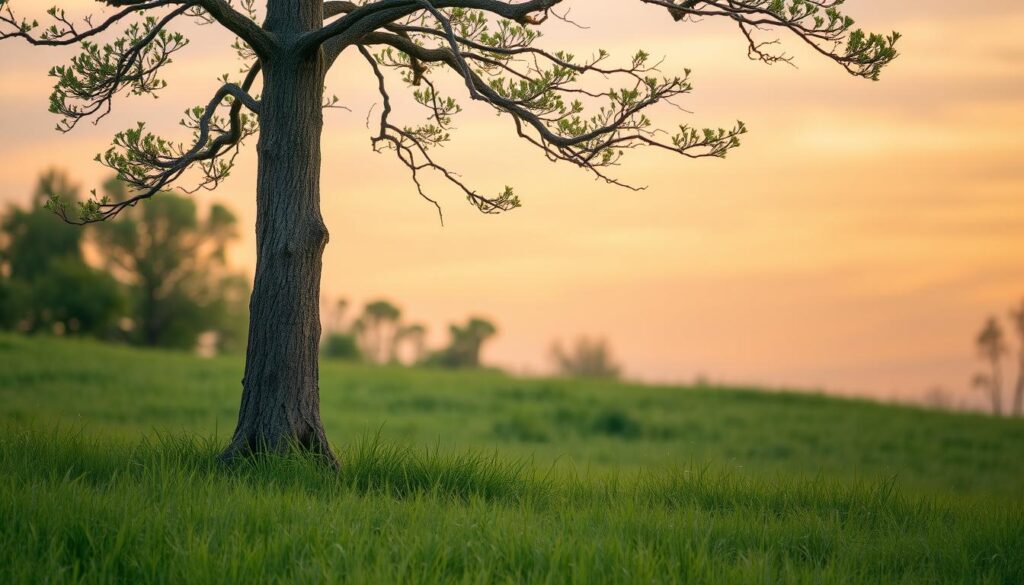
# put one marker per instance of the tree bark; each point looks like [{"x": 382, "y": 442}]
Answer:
[{"x": 280, "y": 405}]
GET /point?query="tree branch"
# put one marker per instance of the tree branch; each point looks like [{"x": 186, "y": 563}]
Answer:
[
  {"x": 261, "y": 41},
  {"x": 539, "y": 114},
  {"x": 98, "y": 74},
  {"x": 149, "y": 164},
  {"x": 818, "y": 23},
  {"x": 370, "y": 17},
  {"x": 489, "y": 44},
  {"x": 63, "y": 32}
]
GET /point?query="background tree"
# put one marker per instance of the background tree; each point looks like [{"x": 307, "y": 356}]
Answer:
[
  {"x": 338, "y": 313},
  {"x": 414, "y": 336},
  {"x": 1017, "y": 319},
  {"x": 35, "y": 237},
  {"x": 490, "y": 46},
  {"x": 175, "y": 264},
  {"x": 588, "y": 358},
  {"x": 991, "y": 346},
  {"x": 341, "y": 340},
  {"x": 377, "y": 328},
  {"x": 48, "y": 285},
  {"x": 463, "y": 350}
]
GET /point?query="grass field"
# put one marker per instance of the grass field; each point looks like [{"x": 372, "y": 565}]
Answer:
[{"x": 107, "y": 475}]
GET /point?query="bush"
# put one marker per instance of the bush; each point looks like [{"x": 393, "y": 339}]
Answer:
[
  {"x": 617, "y": 423},
  {"x": 73, "y": 298}
]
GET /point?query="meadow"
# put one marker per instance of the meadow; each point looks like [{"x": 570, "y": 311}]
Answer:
[{"x": 107, "y": 475}]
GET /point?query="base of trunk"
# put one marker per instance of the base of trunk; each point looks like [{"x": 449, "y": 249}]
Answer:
[{"x": 247, "y": 444}]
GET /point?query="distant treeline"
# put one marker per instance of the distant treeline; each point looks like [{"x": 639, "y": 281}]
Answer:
[
  {"x": 157, "y": 276},
  {"x": 379, "y": 334}
]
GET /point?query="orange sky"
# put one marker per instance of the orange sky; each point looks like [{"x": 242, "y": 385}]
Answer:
[{"x": 854, "y": 243}]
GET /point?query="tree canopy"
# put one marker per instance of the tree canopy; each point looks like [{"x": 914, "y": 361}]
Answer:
[{"x": 492, "y": 45}]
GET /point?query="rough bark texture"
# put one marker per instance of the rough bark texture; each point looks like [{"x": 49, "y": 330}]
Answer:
[{"x": 280, "y": 395}]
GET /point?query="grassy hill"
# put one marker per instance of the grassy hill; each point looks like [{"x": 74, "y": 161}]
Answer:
[{"x": 107, "y": 475}]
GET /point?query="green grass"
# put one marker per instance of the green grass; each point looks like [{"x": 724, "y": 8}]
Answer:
[{"x": 107, "y": 475}]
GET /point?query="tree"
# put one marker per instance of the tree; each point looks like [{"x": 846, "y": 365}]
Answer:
[
  {"x": 175, "y": 263},
  {"x": 588, "y": 359},
  {"x": 34, "y": 237},
  {"x": 1017, "y": 319},
  {"x": 489, "y": 45},
  {"x": 991, "y": 346},
  {"x": 463, "y": 350},
  {"x": 337, "y": 312},
  {"x": 415, "y": 335},
  {"x": 341, "y": 341},
  {"x": 376, "y": 330},
  {"x": 49, "y": 286}
]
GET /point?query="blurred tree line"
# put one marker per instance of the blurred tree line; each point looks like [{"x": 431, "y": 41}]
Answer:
[
  {"x": 992, "y": 345},
  {"x": 161, "y": 279},
  {"x": 379, "y": 335},
  {"x": 158, "y": 277}
]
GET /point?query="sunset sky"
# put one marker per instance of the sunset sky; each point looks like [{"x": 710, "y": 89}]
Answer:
[{"x": 855, "y": 243}]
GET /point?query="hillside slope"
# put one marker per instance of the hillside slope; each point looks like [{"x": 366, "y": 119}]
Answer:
[
  {"x": 586, "y": 426},
  {"x": 108, "y": 475}
]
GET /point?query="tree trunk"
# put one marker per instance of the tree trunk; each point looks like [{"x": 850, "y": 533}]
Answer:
[{"x": 280, "y": 391}]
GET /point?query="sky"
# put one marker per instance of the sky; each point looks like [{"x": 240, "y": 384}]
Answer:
[{"x": 855, "y": 243}]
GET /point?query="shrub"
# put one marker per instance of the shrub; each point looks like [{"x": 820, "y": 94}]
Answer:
[{"x": 616, "y": 423}]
